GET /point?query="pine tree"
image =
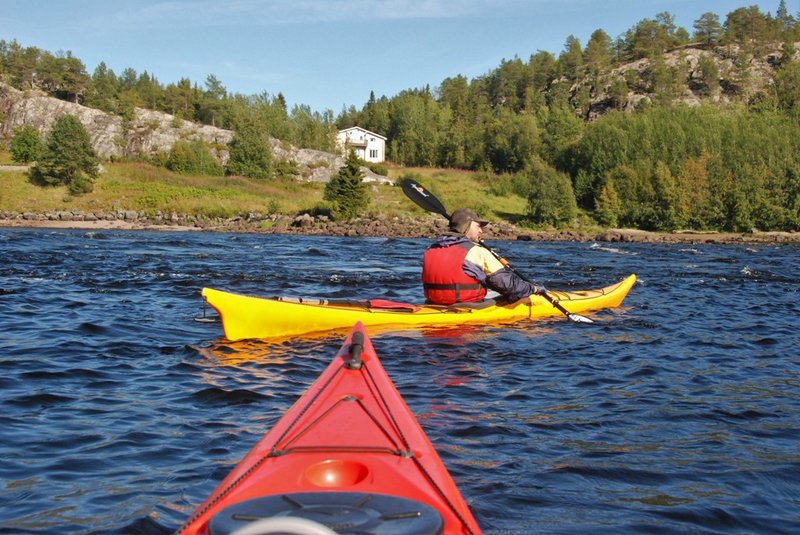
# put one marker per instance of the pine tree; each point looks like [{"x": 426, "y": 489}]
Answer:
[
  {"x": 69, "y": 158},
  {"x": 787, "y": 81},
  {"x": 618, "y": 93},
  {"x": 707, "y": 29},
  {"x": 571, "y": 59},
  {"x": 710, "y": 75},
  {"x": 782, "y": 16},
  {"x": 665, "y": 202},
  {"x": 608, "y": 205},
  {"x": 598, "y": 52},
  {"x": 347, "y": 191}
]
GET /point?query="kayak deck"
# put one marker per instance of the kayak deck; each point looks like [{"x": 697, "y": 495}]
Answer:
[
  {"x": 348, "y": 454},
  {"x": 258, "y": 317}
]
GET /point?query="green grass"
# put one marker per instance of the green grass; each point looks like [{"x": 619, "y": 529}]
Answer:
[
  {"x": 140, "y": 186},
  {"x": 461, "y": 189},
  {"x": 144, "y": 187}
]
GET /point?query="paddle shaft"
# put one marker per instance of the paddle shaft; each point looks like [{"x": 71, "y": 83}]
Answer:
[{"x": 547, "y": 296}]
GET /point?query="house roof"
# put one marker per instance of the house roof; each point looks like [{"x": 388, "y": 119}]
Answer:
[{"x": 362, "y": 130}]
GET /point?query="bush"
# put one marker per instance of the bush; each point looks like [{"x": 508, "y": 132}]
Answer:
[
  {"x": 508, "y": 184},
  {"x": 321, "y": 209},
  {"x": 347, "y": 191},
  {"x": 69, "y": 158},
  {"x": 378, "y": 168},
  {"x": 26, "y": 145},
  {"x": 250, "y": 153},
  {"x": 193, "y": 157},
  {"x": 551, "y": 199},
  {"x": 81, "y": 184},
  {"x": 286, "y": 168}
]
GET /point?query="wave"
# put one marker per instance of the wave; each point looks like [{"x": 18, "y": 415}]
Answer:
[{"x": 614, "y": 250}]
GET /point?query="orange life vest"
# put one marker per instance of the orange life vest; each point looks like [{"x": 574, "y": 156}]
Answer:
[{"x": 443, "y": 278}]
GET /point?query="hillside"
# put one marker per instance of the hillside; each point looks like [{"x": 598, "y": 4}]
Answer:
[
  {"x": 149, "y": 134},
  {"x": 152, "y": 132},
  {"x": 738, "y": 77}
]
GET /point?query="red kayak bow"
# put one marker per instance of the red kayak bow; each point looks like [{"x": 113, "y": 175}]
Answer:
[{"x": 348, "y": 457}]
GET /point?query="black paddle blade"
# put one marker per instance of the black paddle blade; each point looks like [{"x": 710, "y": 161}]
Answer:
[{"x": 422, "y": 197}]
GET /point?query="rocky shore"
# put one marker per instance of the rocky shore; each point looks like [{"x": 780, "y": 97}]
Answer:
[{"x": 397, "y": 227}]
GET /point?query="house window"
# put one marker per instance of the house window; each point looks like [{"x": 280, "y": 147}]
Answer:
[{"x": 373, "y": 153}]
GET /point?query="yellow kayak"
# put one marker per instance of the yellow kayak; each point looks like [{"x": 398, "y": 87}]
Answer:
[{"x": 258, "y": 317}]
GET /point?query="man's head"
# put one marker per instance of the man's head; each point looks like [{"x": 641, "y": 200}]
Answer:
[{"x": 461, "y": 220}]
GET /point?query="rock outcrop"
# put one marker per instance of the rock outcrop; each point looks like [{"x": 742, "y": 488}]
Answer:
[
  {"x": 150, "y": 133},
  {"x": 739, "y": 75},
  {"x": 147, "y": 134}
]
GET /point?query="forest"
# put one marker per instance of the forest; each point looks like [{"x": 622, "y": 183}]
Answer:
[{"x": 562, "y": 131}]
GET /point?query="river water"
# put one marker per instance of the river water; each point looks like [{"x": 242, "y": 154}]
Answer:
[{"x": 677, "y": 413}]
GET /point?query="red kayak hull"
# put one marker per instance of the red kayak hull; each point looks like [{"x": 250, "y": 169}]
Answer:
[{"x": 349, "y": 435}]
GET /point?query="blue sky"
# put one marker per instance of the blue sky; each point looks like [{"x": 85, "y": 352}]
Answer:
[{"x": 328, "y": 54}]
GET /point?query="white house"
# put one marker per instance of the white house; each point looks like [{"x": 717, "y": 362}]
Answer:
[{"x": 369, "y": 146}]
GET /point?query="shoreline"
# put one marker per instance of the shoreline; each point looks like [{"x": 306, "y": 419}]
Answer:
[{"x": 409, "y": 228}]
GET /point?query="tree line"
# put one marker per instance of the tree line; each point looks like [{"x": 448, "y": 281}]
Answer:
[
  {"x": 64, "y": 76},
  {"x": 534, "y": 124}
]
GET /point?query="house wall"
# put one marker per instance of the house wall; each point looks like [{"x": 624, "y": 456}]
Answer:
[{"x": 368, "y": 146}]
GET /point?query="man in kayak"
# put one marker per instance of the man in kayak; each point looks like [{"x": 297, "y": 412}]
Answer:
[{"x": 457, "y": 268}]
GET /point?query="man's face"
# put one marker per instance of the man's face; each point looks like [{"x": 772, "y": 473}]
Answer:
[{"x": 475, "y": 231}]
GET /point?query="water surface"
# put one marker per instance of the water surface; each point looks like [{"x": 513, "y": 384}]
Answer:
[{"x": 677, "y": 413}]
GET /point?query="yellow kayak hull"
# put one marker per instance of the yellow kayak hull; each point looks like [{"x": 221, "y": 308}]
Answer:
[{"x": 258, "y": 317}]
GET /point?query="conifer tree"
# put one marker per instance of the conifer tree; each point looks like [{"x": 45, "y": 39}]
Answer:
[
  {"x": 598, "y": 52},
  {"x": 618, "y": 93},
  {"x": 608, "y": 205},
  {"x": 69, "y": 158},
  {"x": 787, "y": 82},
  {"x": 665, "y": 199},
  {"x": 710, "y": 75},
  {"x": 347, "y": 191},
  {"x": 571, "y": 59},
  {"x": 707, "y": 29}
]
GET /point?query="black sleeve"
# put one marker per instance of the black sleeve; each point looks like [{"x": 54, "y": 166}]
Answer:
[{"x": 510, "y": 285}]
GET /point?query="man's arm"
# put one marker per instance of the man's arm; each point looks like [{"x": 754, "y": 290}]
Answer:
[
  {"x": 509, "y": 284},
  {"x": 483, "y": 265}
]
